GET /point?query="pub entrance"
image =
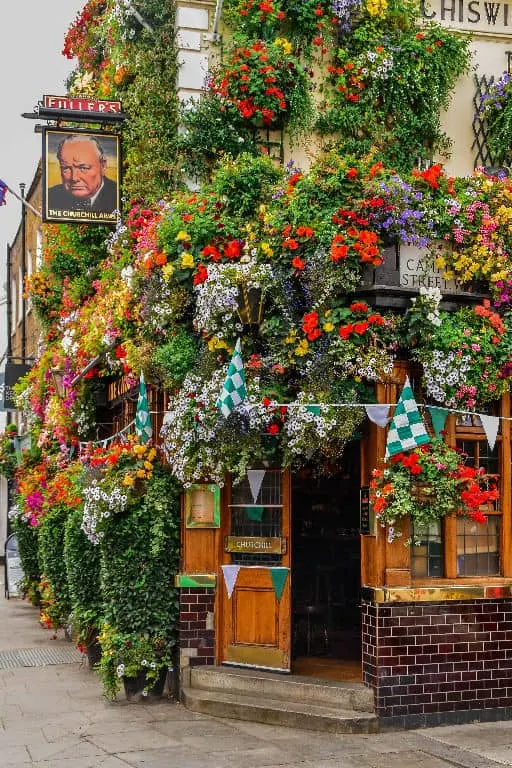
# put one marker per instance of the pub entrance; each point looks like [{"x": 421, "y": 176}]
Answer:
[{"x": 326, "y": 571}]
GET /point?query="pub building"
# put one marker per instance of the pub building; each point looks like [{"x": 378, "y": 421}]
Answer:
[{"x": 295, "y": 607}]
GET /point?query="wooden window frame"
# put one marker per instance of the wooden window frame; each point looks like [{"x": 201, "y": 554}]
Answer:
[{"x": 449, "y": 532}]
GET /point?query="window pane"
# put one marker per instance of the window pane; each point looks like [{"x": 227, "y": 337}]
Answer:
[
  {"x": 427, "y": 551},
  {"x": 478, "y": 547}
]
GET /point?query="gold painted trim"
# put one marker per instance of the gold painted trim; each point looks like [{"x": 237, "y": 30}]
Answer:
[
  {"x": 439, "y": 594},
  {"x": 256, "y": 656},
  {"x": 195, "y": 580}
]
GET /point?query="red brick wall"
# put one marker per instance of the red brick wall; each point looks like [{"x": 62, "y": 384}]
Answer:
[
  {"x": 197, "y": 636},
  {"x": 434, "y": 663}
]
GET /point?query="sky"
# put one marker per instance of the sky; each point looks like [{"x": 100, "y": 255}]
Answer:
[{"x": 31, "y": 40}]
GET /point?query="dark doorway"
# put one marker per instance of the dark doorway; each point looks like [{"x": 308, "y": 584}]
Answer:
[{"x": 326, "y": 570}]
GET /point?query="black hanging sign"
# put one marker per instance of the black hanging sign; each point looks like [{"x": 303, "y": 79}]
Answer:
[{"x": 364, "y": 507}]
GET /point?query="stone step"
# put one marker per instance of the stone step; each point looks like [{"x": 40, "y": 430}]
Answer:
[
  {"x": 311, "y": 717},
  {"x": 347, "y": 696}
]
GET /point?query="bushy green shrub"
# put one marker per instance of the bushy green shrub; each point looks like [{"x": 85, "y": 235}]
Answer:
[
  {"x": 82, "y": 561},
  {"x": 53, "y": 566}
]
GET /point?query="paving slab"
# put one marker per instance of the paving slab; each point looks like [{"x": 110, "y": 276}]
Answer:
[{"x": 54, "y": 716}]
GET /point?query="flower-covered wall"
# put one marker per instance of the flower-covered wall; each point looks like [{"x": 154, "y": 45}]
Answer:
[{"x": 223, "y": 237}]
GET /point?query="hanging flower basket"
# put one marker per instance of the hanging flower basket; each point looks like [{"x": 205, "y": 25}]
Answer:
[{"x": 428, "y": 483}]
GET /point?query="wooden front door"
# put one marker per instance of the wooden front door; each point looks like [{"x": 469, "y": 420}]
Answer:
[{"x": 254, "y": 621}]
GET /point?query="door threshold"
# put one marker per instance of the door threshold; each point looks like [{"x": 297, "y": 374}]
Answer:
[{"x": 255, "y": 666}]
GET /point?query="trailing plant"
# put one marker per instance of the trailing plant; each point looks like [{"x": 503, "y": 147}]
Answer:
[
  {"x": 496, "y": 109},
  {"x": 390, "y": 79},
  {"x": 465, "y": 354}
]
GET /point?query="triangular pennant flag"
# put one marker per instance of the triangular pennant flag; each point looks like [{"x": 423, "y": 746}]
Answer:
[
  {"x": 230, "y": 576},
  {"x": 278, "y": 576},
  {"x": 407, "y": 430},
  {"x": 379, "y": 414},
  {"x": 254, "y": 513},
  {"x": 255, "y": 478},
  {"x": 438, "y": 416},
  {"x": 491, "y": 424},
  {"x": 142, "y": 418},
  {"x": 234, "y": 390},
  {"x": 314, "y": 409}
]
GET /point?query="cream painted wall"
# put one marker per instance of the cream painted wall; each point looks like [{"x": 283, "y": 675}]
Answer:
[{"x": 489, "y": 58}]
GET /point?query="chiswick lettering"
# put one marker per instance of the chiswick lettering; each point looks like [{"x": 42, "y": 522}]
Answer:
[{"x": 477, "y": 15}]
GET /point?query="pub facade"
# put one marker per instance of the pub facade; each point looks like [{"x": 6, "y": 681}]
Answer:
[{"x": 290, "y": 571}]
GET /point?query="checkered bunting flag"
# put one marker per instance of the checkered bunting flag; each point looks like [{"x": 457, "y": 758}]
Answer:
[
  {"x": 407, "y": 430},
  {"x": 234, "y": 390},
  {"x": 143, "y": 426}
]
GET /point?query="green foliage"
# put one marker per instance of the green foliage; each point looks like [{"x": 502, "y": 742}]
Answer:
[
  {"x": 244, "y": 183},
  {"x": 51, "y": 559},
  {"x": 150, "y": 136},
  {"x": 139, "y": 555},
  {"x": 175, "y": 358},
  {"x": 496, "y": 109},
  {"x": 139, "y": 558},
  {"x": 82, "y": 560},
  {"x": 28, "y": 545},
  {"x": 212, "y": 129},
  {"x": 389, "y": 86}
]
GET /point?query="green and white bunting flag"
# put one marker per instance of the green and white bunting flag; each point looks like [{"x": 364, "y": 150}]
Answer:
[
  {"x": 142, "y": 418},
  {"x": 407, "y": 430},
  {"x": 234, "y": 390}
]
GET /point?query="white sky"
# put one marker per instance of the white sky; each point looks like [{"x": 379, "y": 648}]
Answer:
[{"x": 31, "y": 64}]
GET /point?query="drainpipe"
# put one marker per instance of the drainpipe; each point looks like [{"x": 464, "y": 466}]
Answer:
[
  {"x": 9, "y": 305},
  {"x": 23, "y": 273},
  {"x": 214, "y": 36}
]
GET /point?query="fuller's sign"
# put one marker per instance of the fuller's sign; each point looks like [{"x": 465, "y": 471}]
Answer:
[
  {"x": 477, "y": 16},
  {"x": 63, "y": 103}
]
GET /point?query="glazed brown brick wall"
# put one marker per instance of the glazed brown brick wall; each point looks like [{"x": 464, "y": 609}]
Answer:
[
  {"x": 440, "y": 662},
  {"x": 197, "y": 636}
]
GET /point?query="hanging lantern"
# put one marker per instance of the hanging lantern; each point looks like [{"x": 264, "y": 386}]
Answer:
[
  {"x": 58, "y": 382},
  {"x": 250, "y": 299},
  {"x": 250, "y": 305}
]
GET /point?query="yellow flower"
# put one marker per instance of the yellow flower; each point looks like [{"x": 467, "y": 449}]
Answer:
[
  {"x": 148, "y": 465},
  {"x": 377, "y": 7},
  {"x": 302, "y": 349},
  {"x": 215, "y": 343},
  {"x": 128, "y": 480},
  {"x": 187, "y": 260},
  {"x": 328, "y": 327},
  {"x": 284, "y": 44},
  {"x": 292, "y": 338},
  {"x": 167, "y": 271},
  {"x": 183, "y": 236},
  {"x": 139, "y": 450},
  {"x": 266, "y": 249},
  {"x": 262, "y": 208},
  {"x": 140, "y": 473},
  {"x": 152, "y": 455}
]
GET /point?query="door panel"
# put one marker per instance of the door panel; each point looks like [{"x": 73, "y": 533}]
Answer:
[{"x": 254, "y": 624}]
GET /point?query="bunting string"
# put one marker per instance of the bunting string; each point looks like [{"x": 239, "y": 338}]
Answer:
[{"x": 107, "y": 440}]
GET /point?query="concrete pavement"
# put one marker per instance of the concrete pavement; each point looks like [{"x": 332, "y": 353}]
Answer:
[{"x": 53, "y": 716}]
